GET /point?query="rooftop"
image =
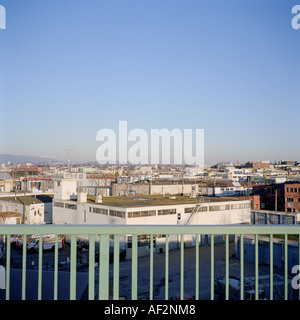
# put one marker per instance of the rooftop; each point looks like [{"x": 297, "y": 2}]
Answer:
[
  {"x": 27, "y": 200},
  {"x": 154, "y": 200},
  {"x": 9, "y": 214}
]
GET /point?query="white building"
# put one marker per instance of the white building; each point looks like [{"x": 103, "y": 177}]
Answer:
[
  {"x": 30, "y": 208},
  {"x": 148, "y": 210}
]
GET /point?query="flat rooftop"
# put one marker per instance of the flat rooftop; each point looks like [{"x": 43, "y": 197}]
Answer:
[{"x": 153, "y": 200}]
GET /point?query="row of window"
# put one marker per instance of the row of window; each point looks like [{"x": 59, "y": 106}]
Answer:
[
  {"x": 138, "y": 214},
  {"x": 65, "y": 205},
  {"x": 292, "y": 189},
  {"x": 292, "y": 200},
  {"x": 219, "y": 207},
  {"x": 149, "y": 213}
]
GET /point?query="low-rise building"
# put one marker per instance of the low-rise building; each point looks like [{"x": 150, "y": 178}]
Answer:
[
  {"x": 149, "y": 210},
  {"x": 30, "y": 208},
  {"x": 10, "y": 218},
  {"x": 292, "y": 197}
]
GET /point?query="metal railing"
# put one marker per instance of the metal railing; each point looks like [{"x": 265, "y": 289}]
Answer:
[{"x": 105, "y": 233}]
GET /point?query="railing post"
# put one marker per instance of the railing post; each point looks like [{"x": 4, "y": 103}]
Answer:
[
  {"x": 116, "y": 266},
  {"x": 285, "y": 267},
  {"x": 151, "y": 268},
  {"x": 197, "y": 268},
  {"x": 55, "y": 268},
  {"x": 181, "y": 266},
  {"x": 271, "y": 266},
  {"x": 167, "y": 268},
  {"x": 104, "y": 267},
  {"x": 227, "y": 266},
  {"x": 8, "y": 252},
  {"x": 73, "y": 267},
  {"x": 40, "y": 267},
  {"x": 134, "y": 273},
  {"x": 212, "y": 267},
  {"x": 256, "y": 268},
  {"x": 242, "y": 267},
  {"x": 91, "y": 267},
  {"x": 24, "y": 255}
]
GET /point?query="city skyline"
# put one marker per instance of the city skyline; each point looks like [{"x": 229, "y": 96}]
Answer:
[{"x": 71, "y": 69}]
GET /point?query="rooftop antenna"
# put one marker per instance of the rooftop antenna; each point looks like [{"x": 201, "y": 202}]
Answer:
[{"x": 69, "y": 156}]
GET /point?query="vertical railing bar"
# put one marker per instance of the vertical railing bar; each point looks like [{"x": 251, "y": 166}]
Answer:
[
  {"x": 24, "y": 254},
  {"x": 91, "y": 267},
  {"x": 40, "y": 267},
  {"x": 271, "y": 267},
  {"x": 212, "y": 267},
  {"x": 299, "y": 258},
  {"x": 116, "y": 266},
  {"x": 227, "y": 266},
  {"x": 134, "y": 275},
  {"x": 285, "y": 266},
  {"x": 55, "y": 268},
  {"x": 151, "y": 268},
  {"x": 242, "y": 267},
  {"x": 99, "y": 269},
  {"x": 167, "y": 268},
  {"x": 256, "y": 268},
  {"x": 8, "y": 252},
  {"x": 197, "y": 268},
  {"x": 73, "y": 268},
  {"x": 104, "y": 267},
  {"x": 181, "y": 266}
]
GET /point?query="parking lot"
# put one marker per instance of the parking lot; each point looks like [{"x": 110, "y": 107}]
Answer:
[{"x": 143, "y": 272}]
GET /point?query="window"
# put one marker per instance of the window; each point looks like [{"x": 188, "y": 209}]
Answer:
[
  {"x": 59, "y": 204},
  {"x": 225, "y": 207},
  {"x": 237, "y": 206},
  {"x": 100, "y": 211},
  {"x": 166, "y": 212},
  {"x": 138, "y": 214},
  {"x": 289, "y": 200},
  {"x": 214, "y": 208},
  {"x": 115, "y": 213},
  {"x": 58, "y": 183},
  {"x": 200, "y": 209},
  {"x": 71, "y": 206}
]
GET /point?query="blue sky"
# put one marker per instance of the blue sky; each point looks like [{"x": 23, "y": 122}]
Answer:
[{"x": 70, "y": 68}]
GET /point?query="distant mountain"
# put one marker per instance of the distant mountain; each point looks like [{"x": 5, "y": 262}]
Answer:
[{"x": 4, "y": 158}]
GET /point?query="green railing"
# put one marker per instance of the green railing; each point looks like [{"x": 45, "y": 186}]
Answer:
[{"x": 104, "y": 252}]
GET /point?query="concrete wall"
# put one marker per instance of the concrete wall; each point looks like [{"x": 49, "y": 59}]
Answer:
[
  {"x": 83, "y": 214},
  {"x": 34, "y": 213},
  {"x": 65, "y": 189},
  {"x": 120, "y": 189},
  {"x": 264, "y": 253}
]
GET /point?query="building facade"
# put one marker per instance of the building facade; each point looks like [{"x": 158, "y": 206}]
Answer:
[{"x": 292, "y": 197}]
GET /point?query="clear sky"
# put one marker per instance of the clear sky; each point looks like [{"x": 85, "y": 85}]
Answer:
[{"x": 70, "y": 68}]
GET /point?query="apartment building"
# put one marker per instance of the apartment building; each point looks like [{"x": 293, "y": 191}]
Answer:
[{"x": 292, "y": 197}]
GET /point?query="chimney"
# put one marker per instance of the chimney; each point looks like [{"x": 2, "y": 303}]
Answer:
[
  {"x": 98, "y": 198},
  {"x": 81, "y": 197}
]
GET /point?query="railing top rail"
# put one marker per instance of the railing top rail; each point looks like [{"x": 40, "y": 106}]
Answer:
[{"x": 149, "y": 229}]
